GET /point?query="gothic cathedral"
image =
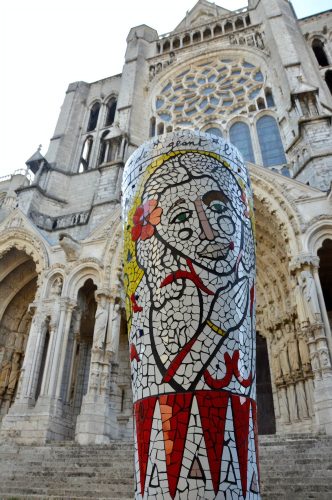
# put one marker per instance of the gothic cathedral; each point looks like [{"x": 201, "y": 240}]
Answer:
[{"x": 258, "y": 77}]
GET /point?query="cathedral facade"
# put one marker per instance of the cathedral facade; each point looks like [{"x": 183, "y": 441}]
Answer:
[{"x": 258, "y": 77}]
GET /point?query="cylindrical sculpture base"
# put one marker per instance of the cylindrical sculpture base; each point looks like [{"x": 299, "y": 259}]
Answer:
[{"x": 189, "y": 279}]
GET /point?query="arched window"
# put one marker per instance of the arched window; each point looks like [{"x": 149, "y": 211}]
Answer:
[
  {"x": 160, "y": 129},
  {"x": 269, "y": 98},
  {"x": 270, "y": 142},
  {"x": 239, "y": 23},
  {"x": 94, "y": 113},
  {"x": 197, "y": 37},
  {"x": 111, "y": 109},
  {"x": 318, "y": 48},
  {"x": 152, "y": 127},
  {"x": 176, "y": 43},
  {"x": 86, "y": 154},
  {"x": 186, "y": 40},
  {"x": 102, "y": 149},
  {"x": 239, "y": 135},
  {"x": 166, "y": 46},
  {"x": 261, "y": 103},
  {"x": 217, "y": 30},
  {"x": 228, "y": 27},
  {"x": 214, "y": 131},
  {"x": 328, "y": 79},
  {"x": 207, "y": 33}
]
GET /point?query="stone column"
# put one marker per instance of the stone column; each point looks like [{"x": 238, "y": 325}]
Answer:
[
  {"x": 189, "y": 276},
  {"x": 76, "y": 323},
  {"x": 59, "y": 338},
  {"x": 96, "y": 423},
  {"x": 314, "y": 324}
]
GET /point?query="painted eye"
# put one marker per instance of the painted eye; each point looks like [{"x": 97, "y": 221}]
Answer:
[
  {"x": 181, "y": 217},
  {"x": 217, "y": 207}
]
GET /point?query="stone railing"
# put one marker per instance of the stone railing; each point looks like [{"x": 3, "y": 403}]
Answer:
[
  {"x": 49, "y": 223},
  {"x": 20, "y": 171},
  {"x": 172, "y": 41}
]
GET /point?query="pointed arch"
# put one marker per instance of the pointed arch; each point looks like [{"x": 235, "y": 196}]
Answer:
[{"x": 22, "y": 239}]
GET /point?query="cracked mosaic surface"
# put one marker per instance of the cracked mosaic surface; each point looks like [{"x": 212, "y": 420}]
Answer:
[{"x": 189, "y": 275}]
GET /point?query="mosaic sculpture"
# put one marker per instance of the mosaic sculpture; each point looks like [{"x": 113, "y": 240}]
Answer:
[{"x": 190, "y": 290}]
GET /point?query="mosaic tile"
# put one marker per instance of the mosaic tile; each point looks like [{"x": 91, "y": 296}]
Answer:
[{"x": 190, "y": 301}]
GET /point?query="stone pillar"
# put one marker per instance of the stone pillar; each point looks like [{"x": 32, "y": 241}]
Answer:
[
  {"x": 59, "y": 330},
  {"x": 26, "y": 390},
  {"x": 189, "y": 276},
  {"x": 75, "y": 333},
  {"x": 315, "y": 328},
  {"x": 96, "y": 423}
]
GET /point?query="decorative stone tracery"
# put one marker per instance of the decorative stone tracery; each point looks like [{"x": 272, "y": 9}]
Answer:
[{"x": 207, "y": 90}]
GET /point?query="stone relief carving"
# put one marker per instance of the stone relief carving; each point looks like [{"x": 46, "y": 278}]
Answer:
[
  {"x": 28, "y": 243},
  {"x": 292, "y": 348},
  {"x": 311, "y": 304},
  {"x": 6, "y": 367},
  {"x": 160, "y": 66},
  {"x": 283, "y": 355},
  {"x": 101, "y": 320},
  {"x": 56, "y": 288},
  {"x": 70, "y": 246}
]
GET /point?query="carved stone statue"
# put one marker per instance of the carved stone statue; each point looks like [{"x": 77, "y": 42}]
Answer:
[
  {"x": 283, "y": 354},
  {"x": 276, "y": 368},
  {"x": 101, "y": 320},
  {"x": 57, "y": 287},
  {"x": 115, "y": 333},
  {"x": 14, "y": 373},
  {"x": 259, "y": 40},
  {"x": 293, "y": 352},
  {"x": 11, "y": 340},
  {"x": 324, "y": 358},
  {"x": 70, "y": 246},
  {"x": 152, "y": 72},
  {"x": 6, "y": 367},
  {"x": 304, "y": 351},
  {"x": 301, "y": 310},
  {"x": 309, "y": 292}
]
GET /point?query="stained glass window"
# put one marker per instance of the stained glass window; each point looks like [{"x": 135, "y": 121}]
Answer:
[
  {"x": 270, "y": 142},
  {"x": 214, "y": 131},
  {"x": 239, "y": 135}
]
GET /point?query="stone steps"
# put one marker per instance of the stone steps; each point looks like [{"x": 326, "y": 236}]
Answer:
[{"x": 296, "y": 467}]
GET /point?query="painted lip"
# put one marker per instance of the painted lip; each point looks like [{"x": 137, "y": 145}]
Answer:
[{"x": 215, "y": 251}]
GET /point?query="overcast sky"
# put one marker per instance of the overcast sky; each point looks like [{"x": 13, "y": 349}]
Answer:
[{"x": 47, "y": 44}]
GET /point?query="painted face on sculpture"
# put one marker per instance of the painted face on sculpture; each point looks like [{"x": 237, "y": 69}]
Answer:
[
  {"x": 197, "y": 218},
  {"x": 199, "y": 222}
]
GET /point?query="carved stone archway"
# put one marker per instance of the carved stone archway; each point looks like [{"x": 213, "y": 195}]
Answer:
[
  {"x": 18, "y": 286},
  {"x": 278, "y": 241}
]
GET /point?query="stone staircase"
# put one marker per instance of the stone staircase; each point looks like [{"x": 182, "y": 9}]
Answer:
[
  {"x": 296, "y": 467},
  {"x": 67, "y": 471}
]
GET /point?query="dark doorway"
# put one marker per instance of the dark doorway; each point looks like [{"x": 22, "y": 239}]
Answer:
[
  {"x": 265, "y": 408},
  {"x": 328, "y": 79},
  {"x": 325, "y": 274}
]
